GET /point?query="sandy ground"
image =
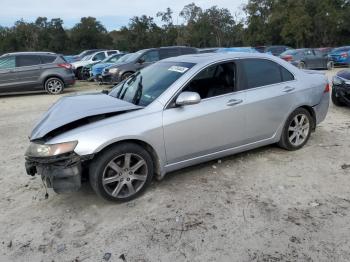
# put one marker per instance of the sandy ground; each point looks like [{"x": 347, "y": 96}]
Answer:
[{"x": 263, "y": 205}]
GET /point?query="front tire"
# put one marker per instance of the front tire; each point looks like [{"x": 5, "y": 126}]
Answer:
[
  {"x": 54, "y": 86},
  {"x": 126, "y": 76},
  {"x": 297, "y": 130},
  {"x": 336, "y": 100},
  {"x": 121, "y": 173},
  {"x": 330, "y": 65}
]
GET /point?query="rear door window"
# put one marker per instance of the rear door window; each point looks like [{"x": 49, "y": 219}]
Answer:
[
  {"x": 169, "y": 52},
  {"x": 7, "y": 62},
  {"x": 111, "y": 53},
  {"x": 260, "y": 72},
  {"x": 47, "y": 59},
  {"x": 27, "y": 60},
  {"x": 151, "y": 56}
]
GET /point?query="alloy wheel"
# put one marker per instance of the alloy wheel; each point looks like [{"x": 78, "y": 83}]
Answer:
[
  {"x": 298, "y": 130},
  {"x": 125, "y": 175},
  {"x": 54, "y": 86}
]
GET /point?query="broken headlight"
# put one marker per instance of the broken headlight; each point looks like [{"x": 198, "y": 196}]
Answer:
[
  {"x": 113, "y": 70},
  {"x": 44, "y": 150}
]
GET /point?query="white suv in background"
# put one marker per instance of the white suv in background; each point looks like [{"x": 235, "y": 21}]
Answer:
[{"x": 94, "y": 58}]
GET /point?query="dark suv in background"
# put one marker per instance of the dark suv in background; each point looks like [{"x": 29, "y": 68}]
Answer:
[
  {"x": 141, "y": 59},
  {"x": 34, "y": 71}
]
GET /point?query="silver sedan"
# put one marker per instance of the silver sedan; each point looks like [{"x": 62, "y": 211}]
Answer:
[{"x": 176, "y": 113}]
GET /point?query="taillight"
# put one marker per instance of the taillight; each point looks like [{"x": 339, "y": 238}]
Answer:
[
  {"x": 327, "y": 89},
  {"x": 288, "y": 58},
  {"x": 65, "y": 65},
  {"x": 344, "y": 55}
]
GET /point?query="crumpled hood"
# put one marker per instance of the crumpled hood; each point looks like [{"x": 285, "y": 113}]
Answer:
[{"x": 73, "y": 108}]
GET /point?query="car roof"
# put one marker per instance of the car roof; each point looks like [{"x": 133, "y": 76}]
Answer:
[
  {"x": 30, "y": 53},
  {"x": 208, "y": 58}
]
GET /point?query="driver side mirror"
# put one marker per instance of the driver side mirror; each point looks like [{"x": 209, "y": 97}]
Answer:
[
  {"x": 141, "y": 61},
  {"x": 188, "y": 98}
]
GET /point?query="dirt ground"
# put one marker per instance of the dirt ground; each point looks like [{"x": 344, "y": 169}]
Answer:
[{"x": 263, "y": 205}]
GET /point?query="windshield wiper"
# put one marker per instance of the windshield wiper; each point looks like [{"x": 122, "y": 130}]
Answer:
[
  {"x": 122, "y": 92},
  {"x": 138, "y": 93}
]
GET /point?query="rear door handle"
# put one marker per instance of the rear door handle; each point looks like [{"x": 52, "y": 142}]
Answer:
[
  {"x": 234, "y": 102},
  {"x": 288, "y": 89}
]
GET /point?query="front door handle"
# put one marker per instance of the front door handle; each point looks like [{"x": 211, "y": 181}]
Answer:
[
  {"x": 234, "y": 102},
  {"x": 288, "y": 89}
]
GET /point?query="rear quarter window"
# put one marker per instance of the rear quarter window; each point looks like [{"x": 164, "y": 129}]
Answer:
[
  {"x": 286, "y": 75},
  {"x": 47, "y": 59}
]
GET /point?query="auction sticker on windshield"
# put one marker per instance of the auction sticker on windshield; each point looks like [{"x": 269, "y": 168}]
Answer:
[{"x": 179, "y": 69}]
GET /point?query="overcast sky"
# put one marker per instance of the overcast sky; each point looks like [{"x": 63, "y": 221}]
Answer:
[{"x": 112, "y": 13}]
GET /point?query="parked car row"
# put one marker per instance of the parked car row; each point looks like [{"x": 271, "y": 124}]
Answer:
[{"x": 114, "y": 66}]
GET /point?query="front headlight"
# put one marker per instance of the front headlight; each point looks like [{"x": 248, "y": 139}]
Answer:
[
  {"x": 43, "y": 150},
  {"x": 337, "y": 81},
  {"x": 113, "y": 70}
]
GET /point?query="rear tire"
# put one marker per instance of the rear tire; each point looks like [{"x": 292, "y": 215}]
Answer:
[
  {"x": 302, "y": 65},
  {"x": 121, "y": 173},
  {"x": 297, "y": 130},
  {"x": 336, "y": 100},
  {"x": 54, "y": 86}
]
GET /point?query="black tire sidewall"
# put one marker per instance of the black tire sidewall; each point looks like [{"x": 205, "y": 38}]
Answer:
[
  {"x": 285, "y": 143},
  {"x": 98, "y": 165},
  {"x": 126, "y": 76},
  {"x": 50, "y": 79}
]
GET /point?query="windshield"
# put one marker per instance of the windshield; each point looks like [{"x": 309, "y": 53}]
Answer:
[
  {"x": 132, "y": 57},
  {"x": 85, "y": 58},
  {"x": 124, "y": 58},
  {"x": 145, "y": 86}
]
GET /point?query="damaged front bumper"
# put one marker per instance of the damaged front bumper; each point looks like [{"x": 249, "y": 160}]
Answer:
[
  {"x": 61, "y": 173},
  {"x": 343, "y": 91}
]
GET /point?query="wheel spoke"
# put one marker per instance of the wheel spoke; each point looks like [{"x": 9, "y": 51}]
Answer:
[
  {"x": 137, "y": 166},
  {"x": 138, "y": 177},
  {"x": 292, "y": 128},
  {"x": 130, "y": 188},
  {"x": 110, "y": 180},
  {"x": 294, "y": 135},
  {"x": 302, "y": 120},
  {"x": 127, "y": 161},
  {"x": 296, "y": 120},
  {"x": 119, "y": 187},
  {"x": 115, "y": 167}
]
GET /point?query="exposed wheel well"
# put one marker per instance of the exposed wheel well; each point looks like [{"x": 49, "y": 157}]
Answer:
[
  {"x": 51, "y": 76},
  {"x": 313, "y": 115},
  {"x": 128, "y": 72},
  {"x": 146, "y": 146}
]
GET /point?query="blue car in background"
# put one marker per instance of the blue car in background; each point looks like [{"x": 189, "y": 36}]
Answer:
[
  {"x": 96, "y": 70},
  {"x": 341, "y": 56},
  {"x": 237, "y": 49}
]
